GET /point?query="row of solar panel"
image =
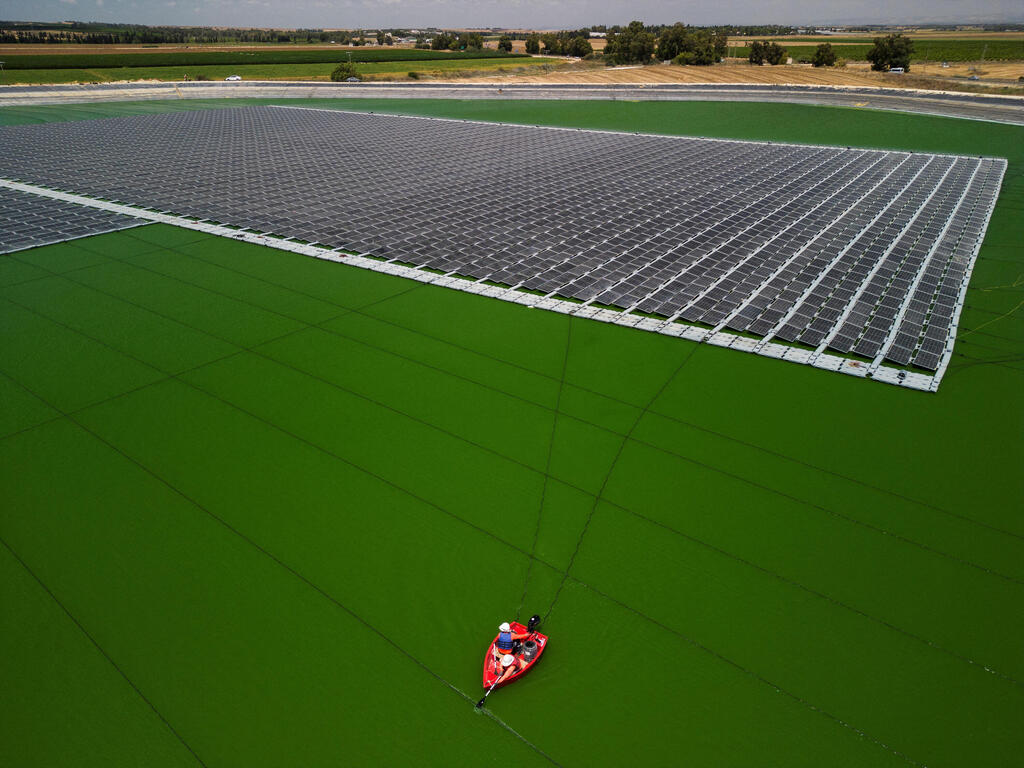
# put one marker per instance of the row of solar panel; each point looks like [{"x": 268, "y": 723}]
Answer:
[
  {"x": 789, "y": 301},
  {"x": 870, "y": 320},
  {"x": 821, "y": 246},
  {"x": 27, "y": 220},
  {"x": 924, "y": 339}
]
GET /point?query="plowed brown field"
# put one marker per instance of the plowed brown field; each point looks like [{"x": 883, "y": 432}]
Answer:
[{"x": 780, "y": 75}]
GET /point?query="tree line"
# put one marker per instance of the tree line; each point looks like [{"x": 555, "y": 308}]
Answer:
[
  {"x": 889, "y": 52},
  {"x": 639, "y": 44},
  {"x": 89, "y": 33},
  {"x": 451, "y": 41},
  {"x": 702, "y": 46},
  {"x": 138, "y": 35},
  {"x": 567, "y": 42},
  {"x": 773, "y": 30},
  {"x": 679, "y": 43}
]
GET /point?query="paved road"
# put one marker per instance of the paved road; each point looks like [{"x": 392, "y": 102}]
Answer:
[{"x": 1003, "y": 109}]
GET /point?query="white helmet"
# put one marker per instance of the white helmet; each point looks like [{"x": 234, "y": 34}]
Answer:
[
  {"x": 504, "y": 627},
  {"x": 507, "y": 659}
]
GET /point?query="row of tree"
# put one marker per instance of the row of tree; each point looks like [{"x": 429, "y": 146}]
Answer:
[
  {"x": 766, "y": 53},
  {"x": 887, "y": 53},
  {"x": 1000, "y": 27},
  {"x": 772, "y": 30},
  {"x": 178, "y": 35},
  {"x": 682, "y": 44},
  {"x": 136, "y": 35},
  {"x": 638, "y": 44},
  {"x": 464, "y": 41},
  {"x": 98, "y": 33},
  {"x": 691, "y": 45},
  {"x": 567, "y": 42}
]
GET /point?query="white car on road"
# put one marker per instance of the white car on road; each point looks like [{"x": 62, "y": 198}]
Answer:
[{"x": 233, "y": 77}]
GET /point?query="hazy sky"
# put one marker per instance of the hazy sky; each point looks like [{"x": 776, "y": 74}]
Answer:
[{"x": 504, "y": 13}]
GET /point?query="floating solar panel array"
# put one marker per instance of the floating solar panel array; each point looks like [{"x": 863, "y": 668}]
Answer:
[
  {"x": 815, "y": 254},
  {"x": 28, "y": 220}
]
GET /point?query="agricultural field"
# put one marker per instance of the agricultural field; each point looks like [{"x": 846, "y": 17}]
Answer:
[
  {"x": 263, "y": 509},
  {"x": 994, "y": 76},
  {"x": 924, "y": 50},
  {"x": 290, "y": 55},
  {"x": 988, "y": 70},
  {"x": 380, "y": 70},
  {"x": 1007, "y": 47},
  {"x": 290, "y": 63},
  {"x": 36, "y": 65}
]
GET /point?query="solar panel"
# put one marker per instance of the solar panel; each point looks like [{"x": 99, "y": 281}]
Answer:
[
  {"x": 842, "y": 248},
  {"x": 28, "y": 220}
]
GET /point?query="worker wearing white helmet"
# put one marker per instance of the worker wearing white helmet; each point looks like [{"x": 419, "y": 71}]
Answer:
[
  {"x": 505, "y": 644},
  {"x": 509, "y": 666},
  {"x": 507, "y": 639}
]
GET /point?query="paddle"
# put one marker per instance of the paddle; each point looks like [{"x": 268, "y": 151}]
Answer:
[{"x": 480, "y": 704}]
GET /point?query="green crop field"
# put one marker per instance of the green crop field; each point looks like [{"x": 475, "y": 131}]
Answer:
[
  {"x": 850, "y": 52},
  {"x": 261, "y": 509},
  {"x": 208, "y": 58},
  {"x": 805, "y": 39},
  {"x": 924, "y": 50},
  {"x": 267, "y": 71}
]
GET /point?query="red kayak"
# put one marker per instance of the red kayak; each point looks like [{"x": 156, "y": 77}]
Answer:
[{"x": 530, "y": 651}]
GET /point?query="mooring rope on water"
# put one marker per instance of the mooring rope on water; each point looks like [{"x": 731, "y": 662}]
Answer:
[
  {"x": 547, "y": 466},
  {"x": 611, "y": 468}
]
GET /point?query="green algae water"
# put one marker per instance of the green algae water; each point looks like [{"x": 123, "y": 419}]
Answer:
[{"x": 260, "y": 509}]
